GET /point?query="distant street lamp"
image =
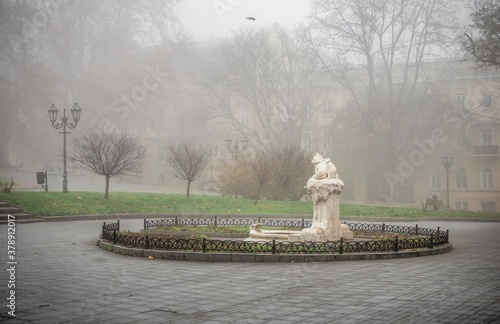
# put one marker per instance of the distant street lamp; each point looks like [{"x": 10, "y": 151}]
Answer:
[
  {"x": 447, "y": 161},
  {"x": 75, "y": 113},
  {"x": 237, "y": 150}
]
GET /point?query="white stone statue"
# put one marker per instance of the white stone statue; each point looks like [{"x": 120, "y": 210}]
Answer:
[
  {"x": 323, "y": 168},
  {"x": 324, "y": 187}
]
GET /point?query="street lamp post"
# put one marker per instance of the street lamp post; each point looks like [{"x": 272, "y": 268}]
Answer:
[
  {"x": 75, "y": 113},
  {"x": 237, "y": 150},
  {"x": 447, "y": 161}
]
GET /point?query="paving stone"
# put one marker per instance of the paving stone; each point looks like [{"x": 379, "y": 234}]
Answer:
[{"x": 60, "y": 266}]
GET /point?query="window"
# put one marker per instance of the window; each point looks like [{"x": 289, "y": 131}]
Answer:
[
  {"x": 461, "y": 179},
  {"x": 328, "y": 108},
  {"x": 309, "y": 111},
  {"x": 461, "y": 101},
  {"x": 327, "y": 142},
  {"x": 307, "y": 141},
  {"x": 162, "y": 151},
  {"x": 487, "y": 178},
  {"x": 435, "y": 180},
  {"x": 244, "y": 116},
  {"x": 487, "y": 100},
  {"x": 488, "y": 206},
  {"x": 487, "y": 137},
  {"x": 286, "y": 114},
  {"x": 221, "y": 121},
  {"x": 461, "y": 205}
]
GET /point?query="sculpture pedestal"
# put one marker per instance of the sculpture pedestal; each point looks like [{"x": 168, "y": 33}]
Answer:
[{"x": 326, "y": 217}]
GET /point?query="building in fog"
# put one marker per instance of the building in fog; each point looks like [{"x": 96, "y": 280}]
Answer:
[
  {"x": 468, "y": 130},
  {"x": 472, "y": 138},
  {"x": 466, "y": 126}
]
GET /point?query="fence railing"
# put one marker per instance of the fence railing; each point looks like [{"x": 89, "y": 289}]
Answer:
[
  {"x": 110, "y": 228},
  {"x": 217, "y": 221},
  {"x": 426, "y": 238}
]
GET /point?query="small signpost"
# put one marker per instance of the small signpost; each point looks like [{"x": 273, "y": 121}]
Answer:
[{"x": 41, "y": 178}]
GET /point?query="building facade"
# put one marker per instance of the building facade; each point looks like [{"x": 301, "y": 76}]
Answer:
[
  {"x": 466, "y": 127},
  {"x": 468, "y": 130}
]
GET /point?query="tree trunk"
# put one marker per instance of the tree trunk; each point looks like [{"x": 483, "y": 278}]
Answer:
[
  {"x": 258, "y": 193},
  {"x": 106, "y": 190},
  {"x": 188, "y": 187}
]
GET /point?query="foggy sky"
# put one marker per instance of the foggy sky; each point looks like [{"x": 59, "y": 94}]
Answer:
[{"x": 216, "y": 18}]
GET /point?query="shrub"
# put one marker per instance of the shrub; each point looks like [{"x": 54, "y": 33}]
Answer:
[
  {"x": 7, "y": 186},
  {"x": 236, "y": 180},
  {"x": 289, "y": 168}
]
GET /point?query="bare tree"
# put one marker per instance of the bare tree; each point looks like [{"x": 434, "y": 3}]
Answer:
[
  {"x": 376, "y": 50},
  {"x": 187, "y": 160},
  {"x": 268, "y": 76},
  {"x": 290, "y": 166},
  {"x": 92, "y": 52},
  {"x": 260, "y": 164},
  {"x": 108, "y": 154}
]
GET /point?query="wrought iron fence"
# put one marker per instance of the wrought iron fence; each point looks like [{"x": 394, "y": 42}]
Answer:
[
  {"x": 427, "y": 238},
  {"x": 109, "y": 228},
  {"x": 216, "y": 221}
]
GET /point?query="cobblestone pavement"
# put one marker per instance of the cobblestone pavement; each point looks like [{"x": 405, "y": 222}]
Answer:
[{"x": 62, "y": 277}]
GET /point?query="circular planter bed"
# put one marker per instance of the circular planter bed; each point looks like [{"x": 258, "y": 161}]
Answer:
[{"x": 372, "y": 241}]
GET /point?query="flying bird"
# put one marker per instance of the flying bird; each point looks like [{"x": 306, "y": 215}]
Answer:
[{"x": 250, "y": 18}]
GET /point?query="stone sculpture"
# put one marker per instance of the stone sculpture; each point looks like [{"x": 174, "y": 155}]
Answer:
[
  {"x": 258, "y": 234},
  {"x": 324, "y": 187},
  {"x": 323, "y": 168}
]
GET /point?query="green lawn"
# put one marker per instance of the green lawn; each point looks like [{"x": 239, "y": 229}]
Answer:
[{"x": 90, "y": 203}]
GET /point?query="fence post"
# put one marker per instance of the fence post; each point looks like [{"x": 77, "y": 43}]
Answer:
[
  {"x": 144, "y": 226},
  {"x": 396, "y": 244},
  {"x": 432, "y": 242},
  {"x": 383, "y": 227},
  {"x": 302, "y": 222},
  {"x": 103, "y": 227},
  {"x": 215, "y": 221},
  {"x": 114, "y": 236},
  {"x": 175, "y": 220},
  {"x": 204, "y": 245},
  {"x": 447, "y": 236},
  {"x": 146, "y": 244},
  {"x": 341, "y": 247},
  {"x": 416, "y": 229},
  {"x": 274, "y": 246},
  {"x": 258, "y": 220}
]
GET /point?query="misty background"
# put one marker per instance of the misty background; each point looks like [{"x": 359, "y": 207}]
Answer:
[{"x": 169, "y": 70}]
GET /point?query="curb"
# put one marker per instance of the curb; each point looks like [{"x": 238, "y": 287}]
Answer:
[
  {"x": 155, "y": 215},
  {"x": 250, "y": 257}
]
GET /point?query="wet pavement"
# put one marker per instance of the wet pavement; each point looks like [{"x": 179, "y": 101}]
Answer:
[{"x": 62, "y": 277}]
